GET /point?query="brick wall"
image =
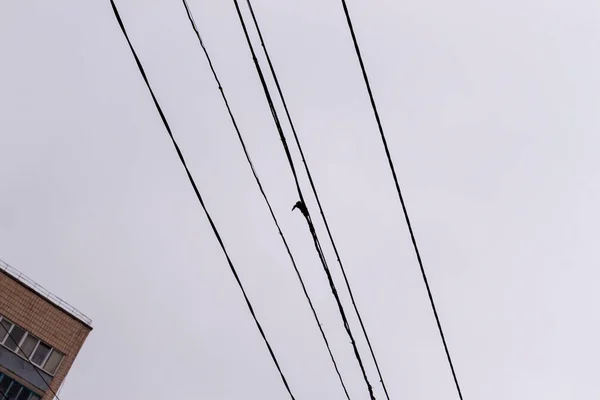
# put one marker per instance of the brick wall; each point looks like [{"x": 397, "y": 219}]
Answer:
[{"x": 43, "y": 319}]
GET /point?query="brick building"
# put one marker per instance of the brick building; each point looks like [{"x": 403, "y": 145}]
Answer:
[{"x": 44, "y": 336}]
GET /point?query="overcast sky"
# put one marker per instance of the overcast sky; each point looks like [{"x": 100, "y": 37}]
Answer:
[{"x": 491, "y": 110}]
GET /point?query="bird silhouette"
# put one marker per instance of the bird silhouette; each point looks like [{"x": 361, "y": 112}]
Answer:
[{"x": 302, "y": 207}]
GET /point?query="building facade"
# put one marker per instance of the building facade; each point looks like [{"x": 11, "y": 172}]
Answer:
[{"x": 40, "y": 337}]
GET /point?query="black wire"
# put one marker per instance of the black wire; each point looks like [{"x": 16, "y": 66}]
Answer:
[
  {"x": 200, "y": 199},
  {"x": 258, "y": 182},
  {"x": 315, "y": 193},
  {"x": 307, "y": 215},
  {"x": 30, "y": 362},
  {"x": 404, "y": 210}
]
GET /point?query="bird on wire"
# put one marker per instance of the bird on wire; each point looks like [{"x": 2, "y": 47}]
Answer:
[{"x": 302, "y": 207}]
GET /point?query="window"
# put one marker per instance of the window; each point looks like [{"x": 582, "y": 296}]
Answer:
[
  {"x": 40, "y": 354},
  {"x": 53, "y": 362},
  {"x": 5, "y": 384},
  {"x": 30, "y": 347},
  {"x": 4, "y": 329},
  {"x": 13, "y": 390},
  {"x": 14, "y": 337}
]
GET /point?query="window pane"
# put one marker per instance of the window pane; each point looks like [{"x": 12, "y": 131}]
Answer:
[
  {"x": 12, "y": 341},
  {"x": 14, "y": 391},
  {"x": 53, "y": 362},
  {"x": 28, "y": 345},
  {"x": 40, "y": 354},
  {"x": 24, "y": 394},
  {"x": 33, "y": 397},
  {"x": 4, "y": 384},
  {"x": 6, "y": 325}
]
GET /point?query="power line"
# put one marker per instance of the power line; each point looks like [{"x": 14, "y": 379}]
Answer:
[
  {"x": 302, "y": 202},
  {"x": 200, "y": 200},
  {"x": 258, "y": 182},
  {"x": 404, "y": 210},
  {"x": 30, "y": 362},
  {"x": 315, "y": 193}
]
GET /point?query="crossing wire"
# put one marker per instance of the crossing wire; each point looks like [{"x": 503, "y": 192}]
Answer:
[
  {"x": 201, "y": 201},
  {"x": 264, "y": 195},
  {"x": 316, "y": 194},
  {"x": 302, "y": 203}
]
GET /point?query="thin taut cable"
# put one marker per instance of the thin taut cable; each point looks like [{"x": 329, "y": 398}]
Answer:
[
  {"x": 315, "y": 193},
  {"x": 404, "y": 210},
  {"x": 264, "y": 195},
  {"x": 302, "y": 203},
  {"x": 201, "y": 200}
]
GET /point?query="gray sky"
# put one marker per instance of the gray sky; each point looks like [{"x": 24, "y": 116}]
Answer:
[{"x": 491, "y": 110}]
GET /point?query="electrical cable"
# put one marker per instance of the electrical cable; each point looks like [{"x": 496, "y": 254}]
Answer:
[
  {"x": 266, "y": 199},
  {"x": 31, "y": 363},
  {"x": 315, "y": 193},
  {"x": 404, "y": 210},
  {"x": 302, "y": 202},
  {"x": 201, "y": 201}
]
